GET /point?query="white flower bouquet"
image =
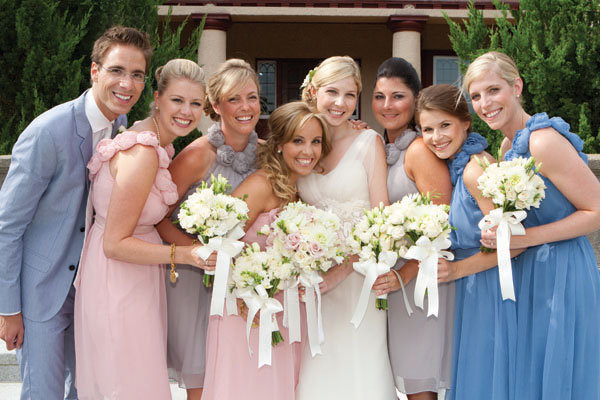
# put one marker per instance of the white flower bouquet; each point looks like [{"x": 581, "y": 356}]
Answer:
[
  {"x": 217, "y": 219},
  {"x": 427, "y": 230},
  {"x": 376, "y": 238},
  {"x": 257, "y": 276},
  {"x": 308, "y": 237},
  {"x": 514, "y": 186}
]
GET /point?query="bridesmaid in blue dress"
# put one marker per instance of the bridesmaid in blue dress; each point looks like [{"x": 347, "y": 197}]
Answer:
[
  {"x": 557, "y": 282},
  {"x": 484, "y": 325}
]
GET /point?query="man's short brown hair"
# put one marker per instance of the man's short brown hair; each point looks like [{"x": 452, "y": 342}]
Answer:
[{"x": 122, "y": 35}]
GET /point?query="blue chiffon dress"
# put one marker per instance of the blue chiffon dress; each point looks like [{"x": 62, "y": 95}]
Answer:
[
  {"x": 485, "y": 326},
  {"x": 557, "y": 286}
]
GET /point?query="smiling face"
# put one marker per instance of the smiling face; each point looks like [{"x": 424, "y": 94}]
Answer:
[
  {"x": 393, "y": 104},
  {"x": 239, "y": 110},
  {"x": 180, "y": 108},
  {"x": 443, "y": 133},
  {"x": 494, "y": 100},
  {"x": 116, "y": 95},
  {"x": 302, "y": 153},
  {"x": 337, "y": 101}
]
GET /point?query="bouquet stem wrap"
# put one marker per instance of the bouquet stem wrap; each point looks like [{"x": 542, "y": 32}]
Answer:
[
  {"x": 371, "y": 270},
  {"x": 257, "y": 299},
  {"x": 314, "y": 318},
  {"x": 428, "y": 252},
  {"x": 226, "y": 248},
  {"x": 509, "y": 223}
]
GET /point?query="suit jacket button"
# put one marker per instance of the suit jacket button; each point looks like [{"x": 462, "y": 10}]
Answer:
[
  {"x": 82, "y": 229},
  {"x": 71, "y": 268}
]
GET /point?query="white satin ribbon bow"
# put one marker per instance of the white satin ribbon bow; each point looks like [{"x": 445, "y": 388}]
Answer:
[
  {"x": 314, "y": 318},
  {"x": 226, "y": 247},
  {"x": 258, "y": 299},
  {"x": 509, "y": 223},
  {"x": 428, "y": 252},
  {"x": 371, "y": 270},
  {"x": 291, "y": 311}
]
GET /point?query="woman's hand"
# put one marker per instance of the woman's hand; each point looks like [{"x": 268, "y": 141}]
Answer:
[
  {"x": 243, "y": 312},
  {"x": 488, "y": 237},
  {"x": 191, "y": 258},
  {"x": 386, "y": 283},
  {"x": 447, "y": 271},
  {"x": 358, "y": 124},
  {"x": 336, "y": 275}
]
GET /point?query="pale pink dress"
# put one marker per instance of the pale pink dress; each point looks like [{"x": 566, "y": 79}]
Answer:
[
  {"x": 231, "y": 373},
  {"x": 120, "y": 308}
]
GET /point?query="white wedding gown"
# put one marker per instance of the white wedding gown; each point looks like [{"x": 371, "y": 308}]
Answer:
[{"x": 354, "y": 363}]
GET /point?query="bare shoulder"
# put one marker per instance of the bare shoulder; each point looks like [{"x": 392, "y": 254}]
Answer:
[
  {"x": 548, "y": 142},
  {"x": 256, "y": 184},
  {"x": 196, "y": 156},
  {"x": 418, "y": 150}
]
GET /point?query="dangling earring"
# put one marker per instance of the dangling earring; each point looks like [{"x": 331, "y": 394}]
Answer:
[{"x": 278, "y": 151}]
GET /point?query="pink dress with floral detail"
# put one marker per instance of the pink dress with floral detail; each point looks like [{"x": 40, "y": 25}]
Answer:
[
  {"x": 231, "y": 373},
  {"x": 120, "y": 308}
]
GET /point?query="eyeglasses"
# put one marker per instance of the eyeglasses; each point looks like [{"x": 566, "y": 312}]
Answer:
[{"x": 120, "y": 73}]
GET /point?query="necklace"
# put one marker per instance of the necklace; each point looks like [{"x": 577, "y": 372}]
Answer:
[{"x": 157, "y": 130}]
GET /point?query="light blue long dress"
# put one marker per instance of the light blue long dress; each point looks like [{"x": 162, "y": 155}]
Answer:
[
  {"x": 485, "y": 326},
  {"x": 558, "y": 297}
]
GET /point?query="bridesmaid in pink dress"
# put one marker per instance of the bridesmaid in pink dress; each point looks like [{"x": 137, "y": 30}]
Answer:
[
  {"x": 297, "y": 142},
  {"x": 120, "y": 303}
]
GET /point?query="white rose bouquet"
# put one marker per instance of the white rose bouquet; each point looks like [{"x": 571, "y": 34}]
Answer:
[
  {"x": 308, "y": 237},
  {"x": 427, "y": 229},
  {"x": 217, "y": 219},
  {"x": 514, "y": 186},
  {"x": 376, "y": 238},
  {"x": 257, "y": 276}
]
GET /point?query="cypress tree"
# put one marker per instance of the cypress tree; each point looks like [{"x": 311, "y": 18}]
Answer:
[{"x": 556, "y": 46}]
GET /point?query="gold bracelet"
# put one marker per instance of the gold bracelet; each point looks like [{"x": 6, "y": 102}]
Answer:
[{"x": 174, "y": 273}]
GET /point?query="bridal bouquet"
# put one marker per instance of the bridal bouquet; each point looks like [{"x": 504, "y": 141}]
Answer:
[
  {"x": 376, "y": 238},
  {"x": 513, "y": 186},
  {"x": 217, "y": 219},
  {"x": 257, "y": 276},
  {"x": 308, "y": 237},
  {"x": 427, "y": 230}
]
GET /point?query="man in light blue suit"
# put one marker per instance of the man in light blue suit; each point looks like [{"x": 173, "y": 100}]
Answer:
[{"x": 43, "y": 211}]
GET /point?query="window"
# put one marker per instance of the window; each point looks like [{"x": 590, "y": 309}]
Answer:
[
  {"x": 267, "y": 78},
  {"x": 446, "y": 70}
]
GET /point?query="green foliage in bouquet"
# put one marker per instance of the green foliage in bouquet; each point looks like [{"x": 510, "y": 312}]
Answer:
[
  {"x": 46, "y": 47},
  {"x": 556, "y": 46}
]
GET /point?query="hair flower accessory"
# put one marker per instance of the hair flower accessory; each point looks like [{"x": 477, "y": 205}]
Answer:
[{"x": 308, "y": 78}]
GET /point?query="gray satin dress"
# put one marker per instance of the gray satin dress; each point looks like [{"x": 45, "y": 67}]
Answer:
[
  {"x": 420, "y": 347},
  {"x": 188, "y": 300}
]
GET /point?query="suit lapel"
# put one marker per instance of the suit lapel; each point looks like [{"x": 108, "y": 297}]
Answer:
[{"x": 83, "y": 130}]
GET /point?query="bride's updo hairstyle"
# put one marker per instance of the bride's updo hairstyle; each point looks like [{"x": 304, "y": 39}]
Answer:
[
  {"x": 446, "y": 98},
  {"x": 284, "y": 122},
  {"x": 177, "y": 68},
  {"x": 495, "y": 61},
  {"x": 231, "y": 75},
  {"x": 330, "y": 70}
]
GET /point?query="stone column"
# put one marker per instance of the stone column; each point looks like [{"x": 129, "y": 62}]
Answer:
[
  {"x": 407, "y": 38},
  {"x": 212, "y": 50}
]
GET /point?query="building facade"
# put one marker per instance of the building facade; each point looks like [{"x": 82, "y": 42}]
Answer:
[{"x": 284, "y": 39}]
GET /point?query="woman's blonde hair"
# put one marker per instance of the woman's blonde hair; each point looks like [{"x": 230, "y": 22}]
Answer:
[
  {"x": 177, "y": 68},
  {"x": 491, "y": 61},
  {"x": 332, "y": 70},
  {"x": 231, "y": 75},
  {"x": 284, "y": 122}
]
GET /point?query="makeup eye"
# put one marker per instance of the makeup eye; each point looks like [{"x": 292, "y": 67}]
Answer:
[
  {"x": 399, "y": 96},
  {"x": 197, "y": 104},
  {"x": 426, "y": 129},
  {"x": 445, "y": 124},
  {"x": 474, "y": 96},
  {"x": 330, "y": 91},
  {"x": 298, "y": 140},
  {"x": 317, "y": 141},
  {"x": 379, "y": 97},
  {"x": 494, "y": 90},
  {"x": 176, "y": 100}
]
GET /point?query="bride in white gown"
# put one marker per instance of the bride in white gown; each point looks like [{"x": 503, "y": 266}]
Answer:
[{"x": 354, "y": 363}]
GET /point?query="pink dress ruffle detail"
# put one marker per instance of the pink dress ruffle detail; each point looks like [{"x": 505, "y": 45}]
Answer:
[{"x": 107, "y": 148}]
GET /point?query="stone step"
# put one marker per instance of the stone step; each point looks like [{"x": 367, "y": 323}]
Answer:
[{"x": 9, "y": 367}]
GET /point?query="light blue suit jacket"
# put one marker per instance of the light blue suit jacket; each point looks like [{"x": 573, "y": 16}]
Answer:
[{"x": 42, "y": 211}]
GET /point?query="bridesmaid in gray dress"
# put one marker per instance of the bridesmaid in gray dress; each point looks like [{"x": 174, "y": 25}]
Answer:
[
  {"x": 229, "y": 149},
  {"x": 419, "y": 346}
]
